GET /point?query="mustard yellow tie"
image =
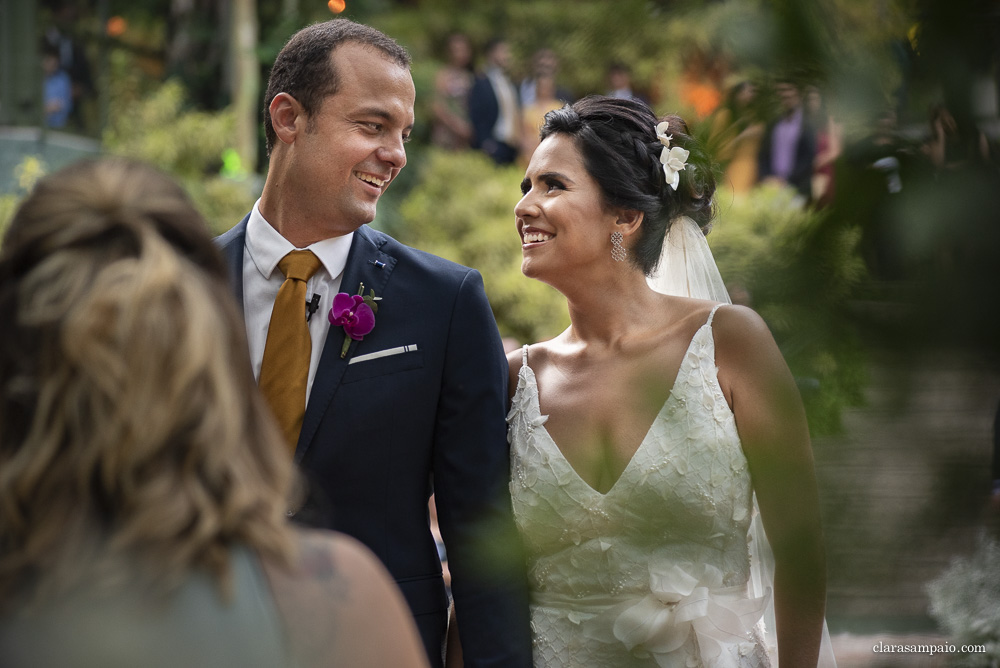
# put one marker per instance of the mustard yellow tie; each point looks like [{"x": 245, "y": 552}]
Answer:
[{"x": 284, "y": 370}]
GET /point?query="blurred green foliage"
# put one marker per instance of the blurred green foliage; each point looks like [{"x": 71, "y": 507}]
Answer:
[
  {"x": 158, "y": 125},
  {"x": 801, "y": 270},
  {"x": 461, "y": 208},
  {"x": 26, "y": 174},
  {"x": 161, "y": 130},
  {"x": 8, "y": 204}
]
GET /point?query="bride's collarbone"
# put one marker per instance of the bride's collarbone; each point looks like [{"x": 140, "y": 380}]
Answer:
[
  {"x": 596, "y": 385},
  {"x": 652, "y": 349}
]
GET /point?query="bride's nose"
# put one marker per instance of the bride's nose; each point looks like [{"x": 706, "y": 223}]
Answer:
[{"x": 525, "y": 207}]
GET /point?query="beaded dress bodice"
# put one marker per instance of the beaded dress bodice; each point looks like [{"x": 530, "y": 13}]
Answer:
[{"x": 654, "y": 572}]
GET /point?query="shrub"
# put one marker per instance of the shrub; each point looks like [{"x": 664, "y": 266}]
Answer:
[
  {"x": 27, "y": 173},
  {"x": 965, "y": 602},
  {"x": 800, "y": 269},
  {"x": 157, "y": 126}
]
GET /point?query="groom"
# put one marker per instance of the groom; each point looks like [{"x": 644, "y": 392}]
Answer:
[{"x": 378, "y": 419}]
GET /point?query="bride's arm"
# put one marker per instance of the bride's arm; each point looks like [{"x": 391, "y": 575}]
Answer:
[{"x": 772, "y": 426}]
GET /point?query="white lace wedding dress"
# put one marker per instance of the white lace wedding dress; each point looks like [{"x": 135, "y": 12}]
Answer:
[{"x": 656, "y": 572}]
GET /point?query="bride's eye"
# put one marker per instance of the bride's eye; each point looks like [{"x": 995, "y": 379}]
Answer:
[{"x": 553, "y": 184}]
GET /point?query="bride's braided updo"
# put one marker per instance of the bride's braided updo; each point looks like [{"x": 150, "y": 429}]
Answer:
[{"x": 617, "y": 139}]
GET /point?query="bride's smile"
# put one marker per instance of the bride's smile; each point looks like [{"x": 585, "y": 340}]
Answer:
[{"x": 532, "y": 235}]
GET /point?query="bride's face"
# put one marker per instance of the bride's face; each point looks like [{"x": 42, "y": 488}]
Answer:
[{"x": 561, "y": 218}]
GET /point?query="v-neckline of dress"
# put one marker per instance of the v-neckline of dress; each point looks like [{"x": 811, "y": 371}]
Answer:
[{"x": 671, "y": 396}]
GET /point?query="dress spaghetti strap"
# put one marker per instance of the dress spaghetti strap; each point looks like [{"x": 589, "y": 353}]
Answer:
[{"x": 711, "y": 315}]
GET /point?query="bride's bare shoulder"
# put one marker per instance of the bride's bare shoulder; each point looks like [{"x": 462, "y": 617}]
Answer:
[
  {"x": 538, "y": 353},
  {"x": 739, "y": 326},
  {"x": 744, "y": 345},
  {"x": 682, "y": 313},
  {"x": 537, "y": 356}
]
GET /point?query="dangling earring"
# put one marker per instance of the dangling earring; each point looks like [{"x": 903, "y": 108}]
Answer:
[{"x": 618, "y": 252}]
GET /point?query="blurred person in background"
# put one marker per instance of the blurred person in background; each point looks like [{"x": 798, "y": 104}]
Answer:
[
  {"x": 58, "y": 93},
  {"x": 544, "y": 63},
  {"x": 61, "y": 37},
  {"x": 788, "y": 148},
  {"x": 953, "y": 146},
  {"x": 829, "y": 144},
  {"x": 533, "y": 115},
  {"x": 644, "y": 436},
  {"x": 620, "y": 82},
  {"x": 451, "y": 128},
  {"x": 494, "y": 107},
  {"x": 737, "y": 130},
  {"x": 883, "y": 162},
  {"x": 144, "y": 484}
]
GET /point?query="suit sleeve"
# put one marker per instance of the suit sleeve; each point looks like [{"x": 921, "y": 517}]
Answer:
[
  {"x": 481, "y": 115},
  {"x": 805, "y": 155},
  {"x": 764, "y": 155},
  {"x": 471, "y": 474}
]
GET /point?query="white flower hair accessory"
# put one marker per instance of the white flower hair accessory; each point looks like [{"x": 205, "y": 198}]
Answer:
[
  {"x": 673, "y": 159},
  {"x": 661, "y": 133}
]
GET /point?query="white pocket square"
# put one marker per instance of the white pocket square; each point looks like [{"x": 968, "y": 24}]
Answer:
[{"x": 399, "y": 350}]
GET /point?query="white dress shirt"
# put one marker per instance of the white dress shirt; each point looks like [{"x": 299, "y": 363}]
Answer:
[
  {"x": 506, "y": 128},
  {"x": 261, "y": 280}
]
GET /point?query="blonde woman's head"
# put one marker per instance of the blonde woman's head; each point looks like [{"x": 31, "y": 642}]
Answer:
[{"x": 130, "y": 426}]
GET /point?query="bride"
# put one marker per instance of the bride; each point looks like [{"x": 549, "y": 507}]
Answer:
[{"x": 644, "y": 435}]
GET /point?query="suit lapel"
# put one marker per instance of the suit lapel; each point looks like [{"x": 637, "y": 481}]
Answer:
[
  {"x": 366, "y": 264},
  {"x": 232, "y": 245}
]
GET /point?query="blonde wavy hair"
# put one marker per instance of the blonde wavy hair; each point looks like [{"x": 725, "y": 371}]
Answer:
[{"x": 131, "y": 430}]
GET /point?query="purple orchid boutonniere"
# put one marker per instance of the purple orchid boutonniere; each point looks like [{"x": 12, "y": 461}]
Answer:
[{"x": 355, "y": 313}]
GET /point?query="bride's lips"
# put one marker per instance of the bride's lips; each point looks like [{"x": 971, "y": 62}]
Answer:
[{"x": 533, "y": 236}]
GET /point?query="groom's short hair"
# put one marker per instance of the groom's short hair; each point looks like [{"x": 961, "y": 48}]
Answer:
[{"x": 305, "y": 70}]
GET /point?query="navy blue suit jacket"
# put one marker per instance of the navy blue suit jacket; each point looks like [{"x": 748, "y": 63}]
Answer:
[
  {"x": 380, "y": 433},
  {"x": 484, "y": 110}
]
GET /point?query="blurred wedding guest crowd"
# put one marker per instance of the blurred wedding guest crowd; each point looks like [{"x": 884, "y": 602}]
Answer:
[{"x": 762, "y": 127}]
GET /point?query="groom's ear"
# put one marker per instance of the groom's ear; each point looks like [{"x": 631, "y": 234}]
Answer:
[
  {"x": 629, "y": 221},
  {"x": 288, "y": 118}
]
